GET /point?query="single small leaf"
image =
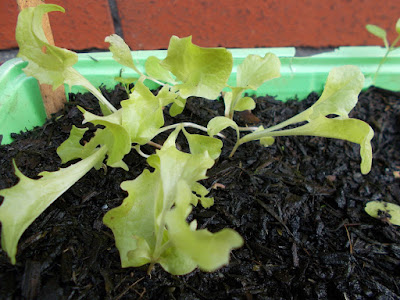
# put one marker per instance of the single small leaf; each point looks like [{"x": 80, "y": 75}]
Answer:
[
  {"x": 199, "y": 144},
  {"x": 218, "y": 124},
  {"x": 71, "y": 148},
  {"x": 175, "y": 109},
  {"x": 203, "y": 72},
  {"x": 398, "y": 26},
  {"x": 339, "y": 97},
  {"x": 115, "y": 136},
  {"x": 156, "y": 70},
  {"x": 266, "y": 141},
  {"x": 49, "y": 66},
  {"x": 200, "y": 195},
  {"x": 25, "y": 201},
  {"x": 209, "y": 250},
  {"x": 121, "y": 52},
  {"x": 133, "y": 223},
  {"x": 255, "y": 70},
  {"x": 377, "y": 31},
  {"x": 245, "y": 103},
  {"x": 54, "y": 65},
  {"x": 340, "y": 94},
  {"x": 165, "y": 96},
  {"x": 389, "y": 212},
  {"x": 352, "y": 130},
  {"x": 142, "y": 115},
  {"x": 115, "y": 117}
]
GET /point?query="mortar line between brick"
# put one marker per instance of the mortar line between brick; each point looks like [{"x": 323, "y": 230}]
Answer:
[{"x": 115, "y": 16}]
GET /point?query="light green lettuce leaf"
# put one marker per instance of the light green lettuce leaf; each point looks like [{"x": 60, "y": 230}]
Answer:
[
  {"x": 121, "y": 52},
  {"x": 376, "y": 30},
  {"x": 133, "y": 223},
  {"x": 218, "y": 124},
  {"x": 115, "y": 117},
  {"x": 209, "y": 250},
  {"x": 199, "y": 144},
  {"x": 255, "y": 70},
  {"x": 25, "y": 201},
  {"x": 113, "y": 135},
  {"x": 352, "y": 130},
  {"x": 398, "y": 26},
  {"x": 49, "y": 66},
  {"x": 140, "y": 224},
  {"x": 156, "y": 70},
  {"x": 340, "y": 94},
  {"x": 54, "y": 65},
  {"x": 177, "y": 107},
  {"x": 203, "y": 72},
  {"x": 142, "y": 114},
  {"x": 389, "y": 212},
  {"x": 245, "y": 103},
  {"x": 338, "y": 98}
]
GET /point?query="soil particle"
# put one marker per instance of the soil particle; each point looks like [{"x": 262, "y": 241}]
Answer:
[{"x": 299, "y": 205}]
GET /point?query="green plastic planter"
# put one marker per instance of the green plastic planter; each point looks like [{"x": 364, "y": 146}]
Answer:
[{"x": 21, "y": 106}]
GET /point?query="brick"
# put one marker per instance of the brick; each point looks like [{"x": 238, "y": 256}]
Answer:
[
  {"x": 256, "y": 23},
  {"x": 8, "y": 20},
  {"x": 84, "y": 25}
]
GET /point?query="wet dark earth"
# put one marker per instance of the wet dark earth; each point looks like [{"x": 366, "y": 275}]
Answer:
[{"x": 298, "y": 204}]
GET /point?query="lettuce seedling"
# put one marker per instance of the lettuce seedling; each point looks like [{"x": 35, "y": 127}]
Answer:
[
  {"x": 150, "y": 226},
  {"x": 49, "y": 64},
  {"x": 382, "y": 34},
  {"x": 251, "y": 74},
  {"x": 385, "y": 211},
  {"x": 338, "y": 98}
]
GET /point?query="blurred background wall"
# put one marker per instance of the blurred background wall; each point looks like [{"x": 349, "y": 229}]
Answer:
[{"x": 228, "y": 23}]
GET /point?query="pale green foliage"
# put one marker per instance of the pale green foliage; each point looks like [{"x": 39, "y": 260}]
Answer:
[
  {"x": 381, "y": 33},
  {"x": 203, "y": 72},
  {"x": 340, "y": 96},
  {"x": 398, "y": 26},
  {"x": 121, "y": 52},
  {"x": 25, "y": 201},
  {"x": 251, "y": 74},
  {"x": 218, "y": 124},
  {"x": 54, "y": 65},
  {"x": 378, "y": 32},
  {"x": 155, "y": 70},
  {"x": 142, "y": 114},
  {"x": 150, "y": 225},
  {"x": 45, "y": 65},
  {"x": 387, "y": 212},
  {"x": 163, "y": 199},
  {"x": 255, "y": 70}
]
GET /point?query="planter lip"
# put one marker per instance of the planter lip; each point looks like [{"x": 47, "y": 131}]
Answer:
[{"x": 21, "y": 107}]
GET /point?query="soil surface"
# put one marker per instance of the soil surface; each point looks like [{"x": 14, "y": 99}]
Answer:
[{"x": 298, "y": 204}]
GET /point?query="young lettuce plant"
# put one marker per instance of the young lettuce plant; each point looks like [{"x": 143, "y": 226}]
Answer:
[
  {"x": 167, "y": 197},
  {"x": 338, "y": 98},
  {"x": 150, "y": 225},
  {"x": 382, "y": 34}
]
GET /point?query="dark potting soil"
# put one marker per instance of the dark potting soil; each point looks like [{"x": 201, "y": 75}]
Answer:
[{"x": 298, "y": 204}]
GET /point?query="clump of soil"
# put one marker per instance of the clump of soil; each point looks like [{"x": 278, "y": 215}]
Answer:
[{"x": 298, "y": 204}]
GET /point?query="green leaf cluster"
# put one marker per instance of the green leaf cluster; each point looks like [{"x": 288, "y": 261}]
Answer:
[
  {"x": 382, "y": 34},
  {"x": 150, "y": 226}
]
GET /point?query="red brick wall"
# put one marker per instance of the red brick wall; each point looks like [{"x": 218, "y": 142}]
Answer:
[{"x": 148, "y": 24}]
